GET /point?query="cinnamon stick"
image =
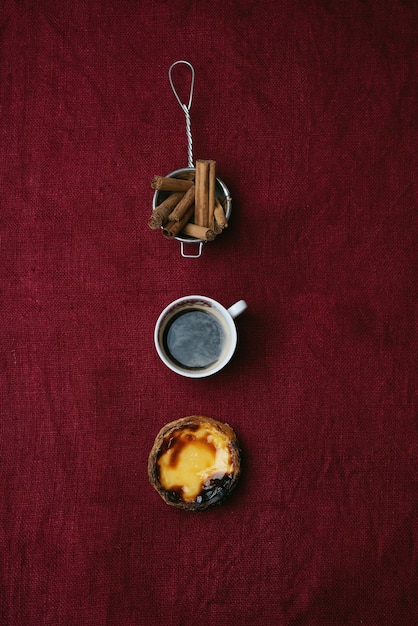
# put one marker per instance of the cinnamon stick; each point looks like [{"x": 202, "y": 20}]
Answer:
[
  {"x": 212, "y": 185},
  {"x": 201, "y": 214},
  {"x": 188, "y": 175},
  {"x": 199, "y": 232},
  {"x": 162, "y": 211},
  {"x": 219, "y": 214},
  {"x": 167, "y": 183},
  {"x": 216, "y": 228},
  {"x": 171, "y": 229},
  {"x": 184, "y": 204}
]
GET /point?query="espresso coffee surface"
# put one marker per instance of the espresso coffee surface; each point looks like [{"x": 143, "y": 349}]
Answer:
[{"x": 194, "y": 339}]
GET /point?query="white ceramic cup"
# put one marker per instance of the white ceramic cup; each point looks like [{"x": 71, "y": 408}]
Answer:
[{"x": 195, "y": 336}]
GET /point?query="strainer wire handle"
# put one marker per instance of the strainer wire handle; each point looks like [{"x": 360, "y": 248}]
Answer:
[{"x": 185, "y": 107}]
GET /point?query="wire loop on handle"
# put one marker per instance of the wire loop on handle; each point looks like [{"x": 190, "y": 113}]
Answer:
[{"x": 185, "y": 107}]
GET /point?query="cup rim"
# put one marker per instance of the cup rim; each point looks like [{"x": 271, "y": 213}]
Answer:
[{"x": 204, "y": 373}]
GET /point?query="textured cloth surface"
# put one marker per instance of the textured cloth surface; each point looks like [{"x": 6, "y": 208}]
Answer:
[{"x": 310, "y": 111}]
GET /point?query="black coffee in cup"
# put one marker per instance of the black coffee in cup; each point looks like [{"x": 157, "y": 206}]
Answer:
[{"x": 194, "y": 338}]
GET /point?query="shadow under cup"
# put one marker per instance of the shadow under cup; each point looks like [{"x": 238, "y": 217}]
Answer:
[{"x": 195, "y": 337}]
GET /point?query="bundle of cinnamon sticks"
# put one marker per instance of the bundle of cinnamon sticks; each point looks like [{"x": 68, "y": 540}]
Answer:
[{"x": 191, "y": 207}]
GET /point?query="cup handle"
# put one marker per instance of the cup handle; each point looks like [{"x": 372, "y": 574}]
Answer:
[{"x": 237, "y": 308}]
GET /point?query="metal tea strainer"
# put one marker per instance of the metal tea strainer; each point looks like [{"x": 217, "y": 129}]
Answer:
[{"x": 221, "y": 190}]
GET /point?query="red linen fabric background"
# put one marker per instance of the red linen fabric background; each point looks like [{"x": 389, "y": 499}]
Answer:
[{"x": 310, "y": 110}]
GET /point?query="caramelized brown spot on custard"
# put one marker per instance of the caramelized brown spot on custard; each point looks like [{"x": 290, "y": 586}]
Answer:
[{"x": 180, "y": 440}]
